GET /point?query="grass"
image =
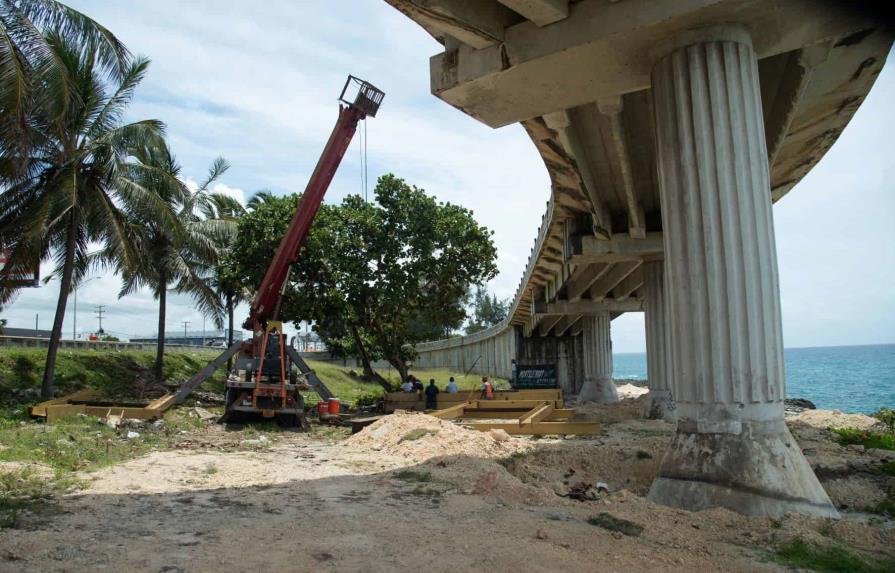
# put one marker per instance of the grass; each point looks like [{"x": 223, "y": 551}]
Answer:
[
  {"x": 831, "y": 559},
  {"x": 351, "y": 389},
  {"x": 866, "y": 438},
  {"x": 417, "y": 434},
  {"x": 887, "y": 468},
  {"x": 413, "y": 476},
  {"x": 117, "y": 373}
]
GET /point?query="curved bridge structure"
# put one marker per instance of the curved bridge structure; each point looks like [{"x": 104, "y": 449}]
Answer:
[{"x": 668, "y": 128}]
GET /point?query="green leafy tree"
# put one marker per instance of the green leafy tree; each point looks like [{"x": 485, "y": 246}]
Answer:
[
  {"x": 181, "y": 255},
  {"x": 375, "y": 278},
  {"x": 487, "y": 310},
  {"x": 76, "y": 183}
]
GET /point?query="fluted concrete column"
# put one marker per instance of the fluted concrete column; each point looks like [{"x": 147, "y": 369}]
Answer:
[
  {"x": 659, "y": 404},
  {"x": 731, "y": 448},
  {"x": 597, "y": 340}
]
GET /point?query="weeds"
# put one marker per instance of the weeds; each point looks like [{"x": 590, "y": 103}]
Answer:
[
  {"x": 832, "y": 559},
  {"x": 866, "y": 438},
  {"x": 413, "y": 477}
]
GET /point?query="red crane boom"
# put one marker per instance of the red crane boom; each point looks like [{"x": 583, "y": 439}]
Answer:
[{"x": 264, "y": 306}]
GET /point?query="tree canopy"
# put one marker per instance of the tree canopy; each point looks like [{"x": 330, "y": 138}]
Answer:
[
  {"x": 487, "y": 310},
  {"x": 375, "y": 278}
]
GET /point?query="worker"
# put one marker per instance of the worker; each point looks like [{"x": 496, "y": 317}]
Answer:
[
  {"x": 487, "y": 390},
  {"x": 407, "y": 386},
  {"x": 452, "y": 387},
  {"x": 417, "y": 385},
  {"x": 431, "y": 395}
]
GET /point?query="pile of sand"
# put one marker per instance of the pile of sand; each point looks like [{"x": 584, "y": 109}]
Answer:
[
  {"x": 419, "y": 437},
  {"x": 836, "y": 419}
]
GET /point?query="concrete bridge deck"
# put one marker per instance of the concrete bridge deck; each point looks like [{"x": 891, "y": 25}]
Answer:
[{"x": 668, "y": 128}]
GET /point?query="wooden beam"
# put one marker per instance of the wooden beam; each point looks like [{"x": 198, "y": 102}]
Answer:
[
  {"x": 536, "y": 415},
  {"x": 540, "y": 428},
  {"x": 450, "y": 413},
  {"x": 558, "y": 414},
  {"x": 40, "y": 410},
  {"x": 541, "y": 12},
  {"x": 511, "y": 404},
  {"x": 618, "y": 273}
]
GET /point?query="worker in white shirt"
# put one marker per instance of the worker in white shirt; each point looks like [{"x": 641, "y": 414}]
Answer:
[
  {"x": 407, "y": 386},
  {"x": 452, "y": 387}
]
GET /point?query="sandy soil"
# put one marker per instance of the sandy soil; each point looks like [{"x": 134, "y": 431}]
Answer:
[{"x": 299, "y": 502}]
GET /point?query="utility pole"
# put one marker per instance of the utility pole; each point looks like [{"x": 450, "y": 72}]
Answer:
[
  {"x": 100, "y": 310},
  {"x": 36, "y": 321},
  {"x": 185, "y": 324},
  {"x": 203, "y": 330}
]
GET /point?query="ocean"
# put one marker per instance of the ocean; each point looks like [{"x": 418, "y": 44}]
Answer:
[{"x": 847, "y": 378}]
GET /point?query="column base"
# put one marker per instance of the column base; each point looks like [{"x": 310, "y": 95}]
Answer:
[
  {"x": 751, "y": 473},
  {"x": 599, "y": 390},
  {"x": 659, "y": 406}
]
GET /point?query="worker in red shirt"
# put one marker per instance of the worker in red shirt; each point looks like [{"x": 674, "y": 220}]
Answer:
[{"x": 487, "y": 390}]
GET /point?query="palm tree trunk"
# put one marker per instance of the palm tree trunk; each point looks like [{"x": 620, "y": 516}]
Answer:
[
  {"x": 160, "y": 344},
  {"x": 230, "y": 333},
  {"x": 46, "y": 387}
]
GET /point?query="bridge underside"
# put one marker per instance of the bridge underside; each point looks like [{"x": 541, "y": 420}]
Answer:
[{"x": 668, "y": 129}]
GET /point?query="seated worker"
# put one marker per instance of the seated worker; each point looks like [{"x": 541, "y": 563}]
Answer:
[
  {"x": 487, "y": 390},
  {"x": 417, "y": 386},
  {"x": 452, "y": 387},
  {"x": 407, "y": 386},
  {"x": 431, "y": 395}
]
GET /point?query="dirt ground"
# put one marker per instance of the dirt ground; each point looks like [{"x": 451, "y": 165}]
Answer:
[{"x": 413, "y": 493}]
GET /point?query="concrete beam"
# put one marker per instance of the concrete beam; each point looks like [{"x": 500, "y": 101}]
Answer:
[
  {"x": 618, "y": 273},
  {"x": 612, "y": 109},
  {"x": 582, "y": 279},
  {"x": 589, "y": 249},
  {"x": 517, "y": 79},
  {"x": 541, "y": 12},
  {"x": 473, "y": 22},
  {"x": 587, "y": 307},
  {"x": 546, "y": 324},
  {"x": 627, "y": 287},
  {"x": 566, "y": 323}
]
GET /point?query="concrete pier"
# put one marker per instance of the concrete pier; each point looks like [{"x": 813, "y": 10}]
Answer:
[
  {"x": 659, "y": 403},
  {"x": 597, "y": 340},
  {"x": 724, "y": 301}
]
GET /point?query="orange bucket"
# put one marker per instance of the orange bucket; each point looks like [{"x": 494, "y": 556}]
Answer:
[
  {"x": 322, "y": 408},
  {"x": 335, "y": 405}
]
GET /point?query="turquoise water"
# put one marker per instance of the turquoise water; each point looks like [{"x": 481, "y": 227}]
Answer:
[{"x": 847, "y": 378}]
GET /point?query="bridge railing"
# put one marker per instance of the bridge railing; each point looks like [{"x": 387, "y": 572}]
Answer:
[{"x": 32, "y": 342}]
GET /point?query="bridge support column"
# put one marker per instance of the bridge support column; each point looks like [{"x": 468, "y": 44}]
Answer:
[
  {"x": 659, "y": 403},
  {"x": 597, "y": 341},
  {"x": 732, "y": 448}
]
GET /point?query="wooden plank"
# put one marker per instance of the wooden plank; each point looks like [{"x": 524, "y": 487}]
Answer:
[
  {"x": 540, "y": 428},
  {"x": 511, "y": 404},
  {"x": 555, "y": 416},
  {"x": 41, "y": 409},
  {"x": 162, "y": 403},
  {"x": 450, "y": 413},
  {"x": 536, "y": 415}
]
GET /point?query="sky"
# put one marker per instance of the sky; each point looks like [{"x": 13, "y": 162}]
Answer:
[{"x": 259, "y": 87}]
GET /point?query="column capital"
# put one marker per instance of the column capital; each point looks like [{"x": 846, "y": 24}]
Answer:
[{"x": 681, "y": 40}]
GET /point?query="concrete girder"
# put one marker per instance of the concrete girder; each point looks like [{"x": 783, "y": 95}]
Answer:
[
  {"x": 629, "y": 286},
  {"x": 589, "y": 248},
  {"x": 587, "y": 307},
  {"x": 541, "y": 12},
  {"x": 566, "y": 323},
  {"x": 608, "y": 282},
  {"x": 473, "y": 22},
  {"x": 519, "y": 78},
  {"x": 612, "y": 108},
  {"x": 546, "y": 323},
  {"x": 582, "y": 279}
]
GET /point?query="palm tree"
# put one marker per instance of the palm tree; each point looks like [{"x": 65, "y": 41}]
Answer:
[
  {"x": 181, "y": 257},
  {"x": 27, "y": 64},
  {"x": 262, "y": 197},
  {"x": 75, "y": 181}
]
